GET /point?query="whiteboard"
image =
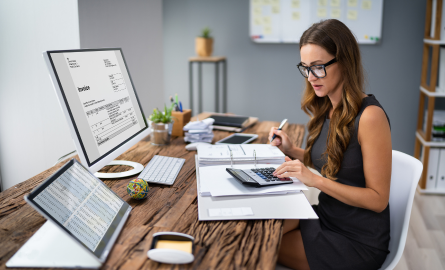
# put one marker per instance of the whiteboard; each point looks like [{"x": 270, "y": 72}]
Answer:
[{"x": 284, "y": 21}]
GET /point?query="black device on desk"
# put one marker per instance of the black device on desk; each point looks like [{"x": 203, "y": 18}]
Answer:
[
  {"x": 258, "y": 177},
  {"x": 238, "y": 138},
  {"x": 230, "y": 120}
]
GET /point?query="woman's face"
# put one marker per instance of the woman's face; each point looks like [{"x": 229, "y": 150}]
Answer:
[{"x": 330, "y": 85}]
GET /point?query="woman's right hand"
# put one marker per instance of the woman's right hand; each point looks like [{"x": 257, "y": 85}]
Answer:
[{"x": 282, "y": 141}]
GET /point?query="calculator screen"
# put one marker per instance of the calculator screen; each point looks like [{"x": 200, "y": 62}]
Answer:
[{"x": 82, "y": 205}]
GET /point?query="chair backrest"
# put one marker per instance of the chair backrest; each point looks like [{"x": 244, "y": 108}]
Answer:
[{"x": 405, "y": 175}]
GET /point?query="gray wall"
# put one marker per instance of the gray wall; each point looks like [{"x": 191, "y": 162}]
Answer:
[
  {"x": 262, "y": 78},
  {"x": 136, "y": 27}
]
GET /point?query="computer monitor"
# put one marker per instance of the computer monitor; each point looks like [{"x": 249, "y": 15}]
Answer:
[{"x": 100, "y": 103}]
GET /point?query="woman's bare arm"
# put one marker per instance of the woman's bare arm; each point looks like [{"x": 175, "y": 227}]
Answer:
[{"x": 374, "y": 136}]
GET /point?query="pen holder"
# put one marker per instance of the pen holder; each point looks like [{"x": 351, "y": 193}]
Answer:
[{"x": 181, "y": 119}]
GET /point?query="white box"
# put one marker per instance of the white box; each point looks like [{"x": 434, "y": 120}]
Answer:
[
  {"x": 441, "y": 79},
  {"x": 433, "y": 19},
  {"x": 433, "y": 162},
  {"x": 441, "y": 171}
]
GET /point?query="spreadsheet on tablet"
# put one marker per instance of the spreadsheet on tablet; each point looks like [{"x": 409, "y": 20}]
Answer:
[{"x": 82, "y": 204}]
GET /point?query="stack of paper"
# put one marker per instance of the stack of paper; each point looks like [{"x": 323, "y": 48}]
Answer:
[
  {"x": 203, "y": 135},
  {"x": 199, "y": 131},
  {"x": 241, "y": 154},
  {"x": 215, "y": 181}
]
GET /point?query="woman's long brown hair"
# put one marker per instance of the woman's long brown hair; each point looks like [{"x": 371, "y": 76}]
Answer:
[{"x": 338, "y": 40}]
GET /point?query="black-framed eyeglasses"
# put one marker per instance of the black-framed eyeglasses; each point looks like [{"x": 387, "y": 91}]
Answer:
[{"x": 318, "y": 71}]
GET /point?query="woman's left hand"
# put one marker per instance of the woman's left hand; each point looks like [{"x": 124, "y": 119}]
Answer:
[{"x": 295, "y": 168}]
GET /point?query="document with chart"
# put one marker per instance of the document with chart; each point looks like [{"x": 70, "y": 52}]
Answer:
[
  {"x": 104, "y": 95},
  {"x": 82, "y": 204}
]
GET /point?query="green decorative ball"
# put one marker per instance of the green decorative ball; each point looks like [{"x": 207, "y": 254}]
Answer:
[{"x": 138, "y": 189}]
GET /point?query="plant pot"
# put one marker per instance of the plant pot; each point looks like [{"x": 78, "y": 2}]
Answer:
[
  {"x": 204, "y": 46},
  {"x": 161, "y": 133}
]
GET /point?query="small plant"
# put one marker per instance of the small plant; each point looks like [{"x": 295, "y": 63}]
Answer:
[
  {"x": 206, "y": 33},
  {"x": 162, "y": 117}
]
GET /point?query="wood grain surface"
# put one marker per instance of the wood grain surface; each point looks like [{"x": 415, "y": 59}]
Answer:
[{"x": 249, "y": 244}]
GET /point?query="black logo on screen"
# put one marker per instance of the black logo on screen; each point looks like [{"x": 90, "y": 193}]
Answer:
[{"x": 85, "y": 88}]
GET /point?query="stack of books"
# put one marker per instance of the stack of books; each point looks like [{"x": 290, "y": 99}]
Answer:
[
  {"x": 233, "y": 123},
  {"x": 438, "y": 130}
]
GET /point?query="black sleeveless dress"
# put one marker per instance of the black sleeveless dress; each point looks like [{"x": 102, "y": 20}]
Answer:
[{"x": 344, "y": 236}]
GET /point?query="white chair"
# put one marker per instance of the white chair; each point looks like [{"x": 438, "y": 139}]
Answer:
[{"x": 406, "y": 171}]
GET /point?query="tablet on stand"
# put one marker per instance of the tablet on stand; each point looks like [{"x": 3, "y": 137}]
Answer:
[{"x": 84, "y": 217}]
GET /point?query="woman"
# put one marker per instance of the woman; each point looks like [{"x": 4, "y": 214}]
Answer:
[{"x": 349, "y": 143}]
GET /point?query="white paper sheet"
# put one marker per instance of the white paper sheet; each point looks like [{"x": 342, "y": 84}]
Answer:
[
  {"x": 240, "y": 152},
  {"x": 229, "y": 212}
]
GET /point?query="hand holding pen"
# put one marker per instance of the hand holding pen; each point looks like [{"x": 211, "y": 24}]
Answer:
[
  {"x": 279, "y": 128},
  {"x": 280, "y": 139}
]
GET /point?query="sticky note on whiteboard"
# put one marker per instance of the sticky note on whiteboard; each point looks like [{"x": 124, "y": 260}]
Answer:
[
  {"x": 276, "y": 9},
  {"x": 322, "y": 3},
  {"x": 335, "y": 13},
  {"x": 321, "y": 12},
  {"x": 366, "y": 4},
  {"x": 257, "y": 10},
  {"x": 352, "y": 3},
  {"x": 335, "y": 3},
  {"x": 267, "y": 30},
  {"x": 295, "y": 3},
  {"x": 352, "y": 15},
  {"x": 296, "y": 16},
  {"x": 257, "y": 20}
]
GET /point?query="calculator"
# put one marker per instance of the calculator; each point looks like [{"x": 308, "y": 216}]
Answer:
[{"x": 258, "y": 177}]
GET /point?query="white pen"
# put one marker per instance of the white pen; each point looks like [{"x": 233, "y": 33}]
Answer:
[{"x": 279, "y": 128}]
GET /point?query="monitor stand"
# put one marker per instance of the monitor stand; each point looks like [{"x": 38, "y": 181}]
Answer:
[
  {"x": 51, "y": 247},
  {"x": 137, "y": 168}
]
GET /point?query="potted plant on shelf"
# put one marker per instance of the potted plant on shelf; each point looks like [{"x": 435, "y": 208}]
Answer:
[
  {"x": 204, "y": 43},
  {"x": 161, "y": 126}
]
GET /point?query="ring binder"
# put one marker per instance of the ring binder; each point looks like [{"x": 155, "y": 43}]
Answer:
[
  {"x": 231, "y": 158},
  {"x": 233, "y": 154}
]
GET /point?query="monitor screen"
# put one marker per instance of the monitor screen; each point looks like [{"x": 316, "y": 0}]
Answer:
[{"x": 100, "y": 98}]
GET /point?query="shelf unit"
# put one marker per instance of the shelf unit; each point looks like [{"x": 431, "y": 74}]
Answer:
[{"x": 428, "y": 92}]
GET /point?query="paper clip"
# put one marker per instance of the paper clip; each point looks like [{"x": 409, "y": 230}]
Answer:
[
  {"x": 254, "y": 155},
  {"x": 231, "y": 158}
]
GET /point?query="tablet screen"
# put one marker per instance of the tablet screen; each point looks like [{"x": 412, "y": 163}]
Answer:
[
  {"x": 236, "y": 139},
  {"x": 82, "y": 205}
]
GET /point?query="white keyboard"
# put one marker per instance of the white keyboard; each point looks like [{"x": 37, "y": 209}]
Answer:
[{"x": 162, "y": 170}]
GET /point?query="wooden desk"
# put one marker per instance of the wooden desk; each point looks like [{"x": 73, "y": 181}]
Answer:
[{"x": 219, "y": 244}]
